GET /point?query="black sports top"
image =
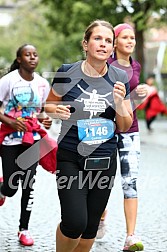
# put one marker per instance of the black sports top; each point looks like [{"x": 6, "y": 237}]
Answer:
[{"x": 89, "y": 131}]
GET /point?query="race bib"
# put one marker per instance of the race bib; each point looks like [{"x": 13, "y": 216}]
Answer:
[{"x": 95, "y": 131}]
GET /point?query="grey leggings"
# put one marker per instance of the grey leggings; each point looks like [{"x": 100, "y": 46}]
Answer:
[{"x": 129, "y": 154}]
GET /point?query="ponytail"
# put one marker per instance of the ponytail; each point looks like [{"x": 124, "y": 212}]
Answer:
[{"x": 15, "y": 65}]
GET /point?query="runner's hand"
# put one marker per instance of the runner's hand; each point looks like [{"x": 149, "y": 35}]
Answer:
[{"x": 119, "y": 92}]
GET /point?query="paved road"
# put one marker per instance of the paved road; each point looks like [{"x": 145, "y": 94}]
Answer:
[{"x": 152, "y": 214}]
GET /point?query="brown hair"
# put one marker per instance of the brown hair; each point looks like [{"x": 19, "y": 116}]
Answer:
[{"x": 95, "y": 23}]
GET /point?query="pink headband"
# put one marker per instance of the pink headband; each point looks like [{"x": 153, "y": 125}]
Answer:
[{"x": 120, "y": 27}]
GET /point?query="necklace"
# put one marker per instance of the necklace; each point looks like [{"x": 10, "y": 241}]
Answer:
[{"x": 92, "y": 72}]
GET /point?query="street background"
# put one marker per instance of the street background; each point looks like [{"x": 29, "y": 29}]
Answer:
[{"x": 152, "y": 214}]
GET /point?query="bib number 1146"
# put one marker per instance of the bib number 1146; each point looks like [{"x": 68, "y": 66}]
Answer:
[{"x": 96, "y": 130}]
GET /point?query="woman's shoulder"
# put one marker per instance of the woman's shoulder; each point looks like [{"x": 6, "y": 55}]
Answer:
[
  {"x": 69, "y": 66},
  {"x": 135, "y": 64},
  {"x": 12, "y": 76},
  {"x": 8, "y": 75}
]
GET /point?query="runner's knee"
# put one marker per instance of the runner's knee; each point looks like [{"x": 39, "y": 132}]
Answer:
[{"x": 73, "y": 229}]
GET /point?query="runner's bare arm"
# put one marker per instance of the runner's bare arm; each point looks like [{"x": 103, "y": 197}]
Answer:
[{"x": 54, "y": 109}]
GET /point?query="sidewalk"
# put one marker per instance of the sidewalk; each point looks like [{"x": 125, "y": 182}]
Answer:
[
  {"x": 152, "y": 189},
  {"x": 152, "y": 214}
]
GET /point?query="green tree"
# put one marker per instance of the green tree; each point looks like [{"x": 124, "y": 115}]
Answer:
[
  {"x": 71, "y": 17},
  {"x": 56, "y": 27},
  {"x": 29, "y": 25}
]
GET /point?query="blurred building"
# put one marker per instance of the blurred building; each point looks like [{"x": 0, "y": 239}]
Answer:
[
  {"x": 156, "y": 58},
  {"x": 6, "y": 10}
]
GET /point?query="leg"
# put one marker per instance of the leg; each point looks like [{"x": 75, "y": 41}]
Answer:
[
  {"x": 84, "y": 245},
  {"x": 129, "y": 151},
  {"x": 149, "y": 121},
  {"x": 64, "y": 243},
  {"x": 27, "y": 178},
  {"x": 73, "y": 202},
  {"x": 12, "y": 173},
  {"x": 81, "y": 208},
  {"x": 130, "y": 210},
  {"x": 103, "y": 215},
  {"x": 10, "y": 170},
  {"x": 27, "y": 199},
  {"x": 97, "y": 200},
  {"x": 102, "y": 226}
]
